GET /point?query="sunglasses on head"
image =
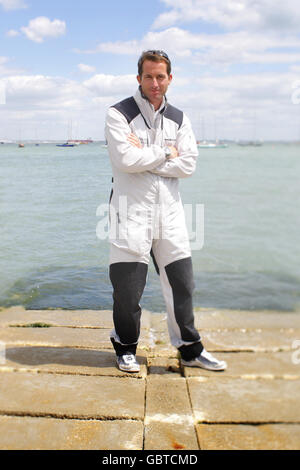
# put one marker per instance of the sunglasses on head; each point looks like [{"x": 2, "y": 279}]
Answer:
[{"x": 157, "y": 52}]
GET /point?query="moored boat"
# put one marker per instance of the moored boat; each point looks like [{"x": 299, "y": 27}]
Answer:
[
  {"x": 211, "y": 145},
  {"x": 66, "y": 144}
]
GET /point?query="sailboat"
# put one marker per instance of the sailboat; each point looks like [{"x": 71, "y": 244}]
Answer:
[
  {"x": 20, "y": 144},
  {"x": 208, "y": 144},
  {"x": 211, "y": 145},
  {"x": 69, "y": 142},
  {"x": 247, "y": 143},
  {"x": 254, "y": 142}
]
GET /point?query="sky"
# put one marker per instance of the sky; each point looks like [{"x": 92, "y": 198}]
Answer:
[{"x": 235, "y": 65}]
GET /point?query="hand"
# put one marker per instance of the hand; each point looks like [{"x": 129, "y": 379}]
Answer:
[
  {"x": 134, "y": 140},
  {"x": 174, "y": 152}
]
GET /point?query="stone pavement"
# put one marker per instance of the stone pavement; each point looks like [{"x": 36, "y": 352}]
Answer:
[{"x": 60, "y": 389}]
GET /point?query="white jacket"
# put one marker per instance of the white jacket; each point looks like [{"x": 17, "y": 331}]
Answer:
[{"x": 142, "y": 178}]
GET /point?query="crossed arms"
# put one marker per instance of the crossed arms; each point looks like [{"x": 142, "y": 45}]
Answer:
[{"x": 128, "y": 155}]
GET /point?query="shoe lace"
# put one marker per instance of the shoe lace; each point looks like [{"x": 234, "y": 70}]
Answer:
[{"x": 129, "y": 357}]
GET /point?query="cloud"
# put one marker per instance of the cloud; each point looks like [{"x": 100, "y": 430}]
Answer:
[
  {"x": 42, "y": 27},
  {"x": 47, "y": 103},
  {"x": 178, "y": 41},
  {"x": 6, "y": 69},
  {"x": 295, "y": 68},
  {"x": 13, "y": 4},
  {"x": 255, "y": 32},
  {"x": 40, "y": 91},
  {"x": 210, "y": 49},
  {"x": 12, "y": 33},
  {"x": 231, "y": 106},
  {"x": 3, "y": 60},
  {"x": 263, "y": 15},
  {"x": 231, "y": 99},
  {"x": 86, "y": 68},
  {"x": 111, "y": 85}
]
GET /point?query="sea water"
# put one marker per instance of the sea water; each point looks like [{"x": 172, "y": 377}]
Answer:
[{"x": 51, "y": 256}]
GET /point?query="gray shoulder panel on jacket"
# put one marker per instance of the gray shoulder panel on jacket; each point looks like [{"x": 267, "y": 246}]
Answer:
[
  {"x": 128, "y": 108},
  {"x": 174, "y": 114}
]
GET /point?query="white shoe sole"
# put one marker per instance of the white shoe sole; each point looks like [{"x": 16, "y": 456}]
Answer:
[
  {"x": 129, "y": 370},
  {"x": 124, "y": 369},
  {"x": 222, "y": 366}
]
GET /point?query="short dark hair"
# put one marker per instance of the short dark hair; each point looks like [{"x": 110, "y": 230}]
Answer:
[{"x": 155, "y": 56}]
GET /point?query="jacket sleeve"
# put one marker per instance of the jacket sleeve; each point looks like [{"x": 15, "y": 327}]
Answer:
[
  {"x": 123, "y": 155},
  {"x": 185, "y": 164}
]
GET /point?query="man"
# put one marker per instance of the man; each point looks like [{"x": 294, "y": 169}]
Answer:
[{"x": 151, "y": 145}]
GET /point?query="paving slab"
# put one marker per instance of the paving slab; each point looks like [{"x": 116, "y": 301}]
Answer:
[
  {"x": 169, "y": 421},
  {"x": 164, "y": 366},
  {"x": 66, "y": 361},
  {"x": 64, "y": 336},
  {"x": 234, "y": 400},
  {"x": 74, "y": 318},
  {"x": 252, "y": 365},
  {"x": 70, "y": 396},
  {"x": 206, "y": 318},
  {"x": 26, "y": 433},
  {"x": 161, "y": 346},
  {"x": 162, "y": 435},
  {"x": 159, "y": 322},
  {"x": 59, "y": 317},
  {"x": 249, "y": 437},
  {"x": 242, "y": 335},
  {"x": 163, "y": 350},
  {"x": 267, "y": 339},
  {"x": 256, "y": 340}
]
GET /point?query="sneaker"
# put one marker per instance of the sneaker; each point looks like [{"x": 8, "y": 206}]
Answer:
[
  {"x": 128, "y": 363},
  {"x": 205, "y": 361}
]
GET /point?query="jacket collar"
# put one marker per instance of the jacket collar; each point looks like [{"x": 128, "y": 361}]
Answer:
[{"x": 147, "y": 109}]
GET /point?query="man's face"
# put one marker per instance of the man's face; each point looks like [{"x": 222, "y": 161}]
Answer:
[{"x": 154, "y": 81}]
